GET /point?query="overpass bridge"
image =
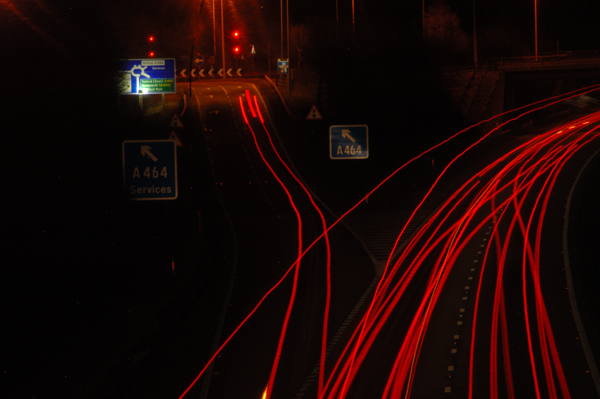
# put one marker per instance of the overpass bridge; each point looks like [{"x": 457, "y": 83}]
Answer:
[
  {"x": 568, "y": 60},
  {"x": 529, "y": 79},
  {"x": 507, "y": 83}
]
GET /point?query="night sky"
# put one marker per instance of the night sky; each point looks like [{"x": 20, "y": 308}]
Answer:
[{"x": 40, "y": 33}]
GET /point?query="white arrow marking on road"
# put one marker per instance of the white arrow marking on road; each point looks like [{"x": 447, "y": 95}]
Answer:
[
  {"x": 183, "y": 72},
  {"x": 193, "y": 70},
  {"x": 229, "y": 72},
  {"x": 201, "y": 73},
  {"x": 239, "y": 71},
  {"x": 146, "y": 151},
  {"x": 346, "y": 135},
  {"x": 210, "y": 73},
  {"x": 221, "y": 72}
]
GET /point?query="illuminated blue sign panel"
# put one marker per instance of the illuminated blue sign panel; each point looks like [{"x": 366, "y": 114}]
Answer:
[
  {"x": 150, "y": 169},
  {"x": 349, "y": 142},
  {"x": 283, "y": 66},
  {"x": 148, "y": 76}
]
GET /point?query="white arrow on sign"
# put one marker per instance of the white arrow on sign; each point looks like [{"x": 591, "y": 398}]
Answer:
[
  {"x": 346, "y": 135},
  {"x": 193, "y": 71},
  {"x": 229, "y": 72},
  {"x": 201, "y": 73},
  {"x": 239, "y": 71},
  {"x": 221, "y": 72},
  {"x": 210, "y": 73},
  {"x": 142, "y": 73},
  {"x": 146, "y": 151},
  {"x": 183, "y": 72}
]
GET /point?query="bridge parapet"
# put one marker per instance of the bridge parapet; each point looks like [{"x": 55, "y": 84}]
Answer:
[{"x": 566, "y": 60}]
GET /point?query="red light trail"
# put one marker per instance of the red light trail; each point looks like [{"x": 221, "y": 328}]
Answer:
[
  {"x": 551, "y": 163},
  {"x": 511, "y": 195}
]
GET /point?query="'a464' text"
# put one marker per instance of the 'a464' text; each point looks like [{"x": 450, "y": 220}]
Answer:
[
  {"x": 150, "y": 173},
  {"x": 349, "y": 150}
]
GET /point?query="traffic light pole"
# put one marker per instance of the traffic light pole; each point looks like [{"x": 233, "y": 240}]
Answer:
[
  {"x": 223, "y": 40},
  {"x": 194, "y": 44}
]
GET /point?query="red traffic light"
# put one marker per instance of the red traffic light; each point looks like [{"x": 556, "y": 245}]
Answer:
[
  {"x": 236, "y": 49},
  {"x": 151, "y": 38},
  {"x": 151, "y": 54},
  {"x": 236, "y": 34}
]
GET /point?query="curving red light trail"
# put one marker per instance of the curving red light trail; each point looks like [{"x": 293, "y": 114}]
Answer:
[
  {"x": 535, "y": 166},
  {"x": 327, "y": 243},
  {"x": 511, "y": 195},
  {"x": 256, "y": 113},
  {"x": 288, "y": 312}
]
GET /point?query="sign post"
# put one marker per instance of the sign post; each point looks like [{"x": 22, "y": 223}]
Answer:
[
  {"x": 150, "y": 169},
  {"x": 349, "y": 142}
]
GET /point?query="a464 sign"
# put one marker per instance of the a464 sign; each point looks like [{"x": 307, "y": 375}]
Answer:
[
  {"x": 349, "y": 142},
  {"x": 150, "y": 169}
]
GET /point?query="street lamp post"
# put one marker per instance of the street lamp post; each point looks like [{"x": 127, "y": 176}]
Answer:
[
  {"x": 474, "y": 37},
  {"x": 287, "y": 10},
  {"x": 214, "y": 30},
  {"x": 193, "y": 43},
  {"x": 353, "y": 22},
  {"x": 337, "y": 18},
  {"x": 223, "y": 39},
  {"x": 536, "y": 31},
  {"x": 281, "y": 19}
]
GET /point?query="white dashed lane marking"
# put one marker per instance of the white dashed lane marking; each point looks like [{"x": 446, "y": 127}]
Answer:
[{"x": 448, "y": 389}]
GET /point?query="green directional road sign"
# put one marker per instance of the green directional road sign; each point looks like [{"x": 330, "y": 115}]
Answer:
[
  {"x": 157, "y": 85},
  {"x": 150, "y": 169}
]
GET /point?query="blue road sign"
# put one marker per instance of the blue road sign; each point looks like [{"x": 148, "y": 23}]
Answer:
[
  {"x": 150, "y": 169},
  {"x": 198, "y": 60},
  {"x": 349, "y": 142},
  {"x": 283, "y": 66},
  {"x": 148, "y": 76}
]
